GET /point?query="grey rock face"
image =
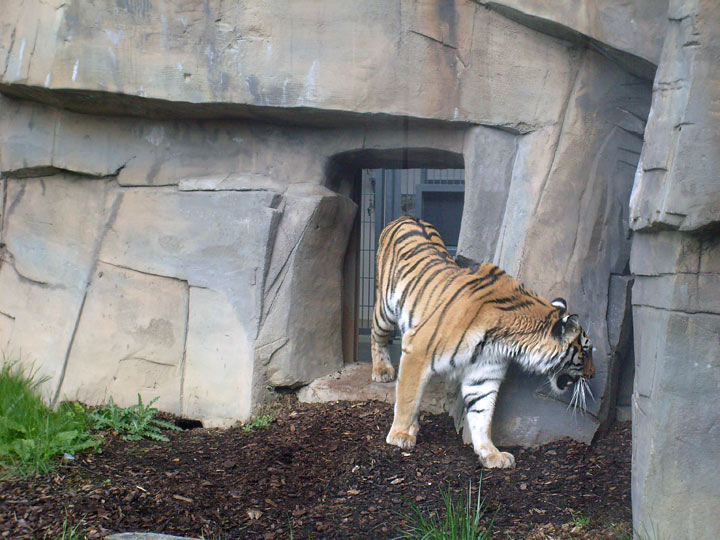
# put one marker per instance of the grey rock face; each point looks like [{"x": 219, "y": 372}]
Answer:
[
  {"x": 565, "y": 184},
  {"x": 677, "y": 184},
  {"x": 403, "y": 59},
  {"x": 622, "y": 29},
  {"x": 676, "y": 404},
  {"x": 675, "y": 208}
]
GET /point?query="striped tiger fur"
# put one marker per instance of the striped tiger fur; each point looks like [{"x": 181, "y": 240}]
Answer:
[{"x": 468, "y": 323}]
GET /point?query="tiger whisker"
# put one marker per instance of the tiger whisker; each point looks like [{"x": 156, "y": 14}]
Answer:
[{"x": 578, "y": 401}]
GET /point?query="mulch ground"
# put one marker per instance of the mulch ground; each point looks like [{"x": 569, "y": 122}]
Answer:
[{"x": 322, "y": 472}]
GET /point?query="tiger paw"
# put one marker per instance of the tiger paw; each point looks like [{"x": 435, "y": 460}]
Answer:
[
  {"x": 498, "y": 460},
  {"x": 383, "y": 373},
  {"x": 406, "y": 441}
]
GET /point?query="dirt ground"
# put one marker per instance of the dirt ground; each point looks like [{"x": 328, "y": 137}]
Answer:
[{"x": 321, "y": 472}]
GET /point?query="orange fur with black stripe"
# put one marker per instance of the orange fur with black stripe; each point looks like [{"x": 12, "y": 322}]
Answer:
[{"x": 468, "y": 323}]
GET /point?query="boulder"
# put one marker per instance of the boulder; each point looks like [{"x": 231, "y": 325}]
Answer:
[{"x": 300, "y": 338}]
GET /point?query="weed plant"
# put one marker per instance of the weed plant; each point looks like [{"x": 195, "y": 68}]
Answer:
[
  {"x": 132, "y": 423},
  {"x": 462, "y": 520},
  {"x": 259, "y": 422},
  {"x": 32, "y": 435}
]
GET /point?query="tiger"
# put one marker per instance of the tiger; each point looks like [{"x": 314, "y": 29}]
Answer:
[{"x": 468, "y": 322}]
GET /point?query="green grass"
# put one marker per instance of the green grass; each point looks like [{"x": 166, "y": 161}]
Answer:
[
  {"x": 35, "y": 437},
  {"x": 68, "y": 532},
  {"x": 32, "y": 435},
  {"x": 461, "y": 521},
  {"x": 580, "y": 520},
  {"x": 133, "y": 423},
  {"x": 259, "y": 422}
]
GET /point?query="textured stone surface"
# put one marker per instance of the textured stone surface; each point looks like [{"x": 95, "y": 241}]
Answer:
[
  {"x": 218, "y": 361},
  {"x": 677, "y": 184},
  {"x": 676, "y": 441},
  {"x": 676, "y": 305},
  {"x": 489, "y": 160},
  {"x": 636, "y": 28},
  {"x": 129, "y": 340},
  {"x": 424, "y": 60},
  {"x": 146, "y": 536},
  {"x": 566, "y": 183},
  {"x": 305, "y": 288},
  {"x": 47, "y": 261}
]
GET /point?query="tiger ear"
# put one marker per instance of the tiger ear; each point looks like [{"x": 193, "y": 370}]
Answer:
[
  {"x": 560, "y": 303},
  {"x": 566, "y": 328}
]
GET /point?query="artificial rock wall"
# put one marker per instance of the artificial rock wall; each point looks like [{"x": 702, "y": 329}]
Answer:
[
  {"x": 211, "y": 252},
  {"x": 178, "y": 182},
  {"x": 675, "y": 213}
]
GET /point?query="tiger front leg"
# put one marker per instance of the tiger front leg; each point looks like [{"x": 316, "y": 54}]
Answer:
[
  {"x": 412, "y": 379},
  {"x": 479, "y": 397}
]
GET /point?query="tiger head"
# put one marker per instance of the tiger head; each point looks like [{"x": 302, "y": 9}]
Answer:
[{"x": 576, "y": 360}]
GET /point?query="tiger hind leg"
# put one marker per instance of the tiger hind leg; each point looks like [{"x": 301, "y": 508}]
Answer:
[
  {"x": 380, "y": 335},
  {"x": 412, "y": 378}
]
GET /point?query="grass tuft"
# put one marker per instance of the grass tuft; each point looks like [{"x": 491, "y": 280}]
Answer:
[
  {"x": 32, "y": 435},
  {"x": 68, "y": 532},
  {"x": 580, "y": 520},
  {"x": 462, "y": 520}
]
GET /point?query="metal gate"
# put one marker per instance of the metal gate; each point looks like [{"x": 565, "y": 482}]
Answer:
[{"x": 435, "y": 195}]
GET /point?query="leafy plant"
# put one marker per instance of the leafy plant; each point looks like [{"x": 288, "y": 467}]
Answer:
[
  {"x": 259, "y": 422},
  {"x": 134, "y": 422},
  {"x": 33, "y": 435},
  {"x": 462, "y": 520}
]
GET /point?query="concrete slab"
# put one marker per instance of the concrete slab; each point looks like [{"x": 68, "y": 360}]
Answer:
[{"x": 353, "y": 383}]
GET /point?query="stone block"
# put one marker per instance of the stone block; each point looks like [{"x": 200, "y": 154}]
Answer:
[
  {"x": 27, "y": 134},
  {"x": 692, "y": 293},
  {"x": 129, "y": 340},
  {"x": 37, "y": 325},
  {"x": 305, "y": 277},
  {"x": 526, "y": 415},
  {"x": 353, "y": 383},
  {"x": 664, "y": 252},
  {"x": 147, "y": 536},
  {"x": 54, "y": 227},
  {"x": 209, "y": 239},
  {"x": 218, "y": 372},
  {"x": 676, "y": 443},
  {"x": 677, "y": 184}
]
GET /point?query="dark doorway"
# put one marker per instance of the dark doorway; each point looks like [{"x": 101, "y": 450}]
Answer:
[{"x": 435, "y": 195}]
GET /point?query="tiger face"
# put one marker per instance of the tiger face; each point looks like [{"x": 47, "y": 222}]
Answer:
[{"x": 576, "y": 361}]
